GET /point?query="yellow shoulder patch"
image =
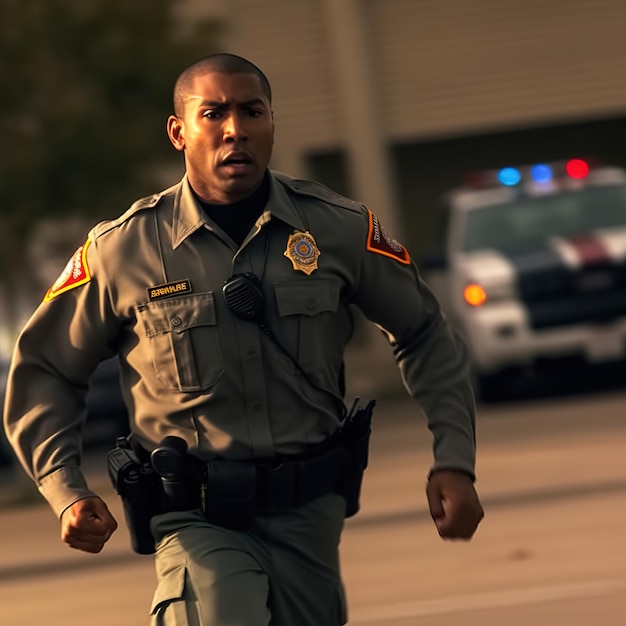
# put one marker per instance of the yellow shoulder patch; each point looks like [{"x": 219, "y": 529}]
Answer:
[
  {"x": 380, "y": 242},
  {"x": 76, "y": 273}
]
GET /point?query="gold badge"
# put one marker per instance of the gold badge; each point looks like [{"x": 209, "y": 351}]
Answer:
[{"x": 302, "y": 251}]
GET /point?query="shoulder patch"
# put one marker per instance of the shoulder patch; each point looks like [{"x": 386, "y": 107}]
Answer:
[
  {"x": 380, "y": 242},
  {"x": 76, "y": 273}
]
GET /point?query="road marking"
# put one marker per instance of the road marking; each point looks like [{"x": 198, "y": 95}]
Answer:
[{"x": 496, "y": 599}]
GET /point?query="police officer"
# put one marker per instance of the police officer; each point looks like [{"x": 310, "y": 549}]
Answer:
[{"x": 149, "y": 287}]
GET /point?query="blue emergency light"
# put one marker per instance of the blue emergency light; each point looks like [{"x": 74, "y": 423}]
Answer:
[
  {"x": 509, "y": 176},
  {"x": 541, "y": 173}
]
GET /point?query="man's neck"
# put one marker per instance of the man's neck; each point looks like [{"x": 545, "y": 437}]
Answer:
[{"x": 237, "y": 218}]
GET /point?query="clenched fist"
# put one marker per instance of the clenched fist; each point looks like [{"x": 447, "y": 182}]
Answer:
[
  {"x": 454, "y": 504},
  {"x": 87, "y": 525}
]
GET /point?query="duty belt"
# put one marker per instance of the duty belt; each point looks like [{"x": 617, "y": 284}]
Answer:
[
  {"x": 232, "y": 493},
  {"x": 295, "y": 482}
]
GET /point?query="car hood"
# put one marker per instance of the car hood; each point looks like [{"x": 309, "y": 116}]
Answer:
[{"x": 576, "y": 253}]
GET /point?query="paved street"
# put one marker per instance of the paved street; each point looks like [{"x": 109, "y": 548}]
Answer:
[{"x": 550, "y": 552}]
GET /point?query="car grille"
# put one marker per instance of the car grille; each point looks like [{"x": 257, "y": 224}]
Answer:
[{"x": 561, "y": 296}]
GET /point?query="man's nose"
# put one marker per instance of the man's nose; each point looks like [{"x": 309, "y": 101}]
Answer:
[{"x": 234, "y": 128}]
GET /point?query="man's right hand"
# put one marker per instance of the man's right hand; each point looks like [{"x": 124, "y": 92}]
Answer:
[{"x": 87, "y": 525}]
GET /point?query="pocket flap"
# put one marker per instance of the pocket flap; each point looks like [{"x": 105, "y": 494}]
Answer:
[
  {"x": 306, "y": 297},
  {"x": 178, "y": 314},
  {"x": 171, "y": 587}
]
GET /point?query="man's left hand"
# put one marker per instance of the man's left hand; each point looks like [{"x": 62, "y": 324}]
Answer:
[{"x": 454, "y": 504}]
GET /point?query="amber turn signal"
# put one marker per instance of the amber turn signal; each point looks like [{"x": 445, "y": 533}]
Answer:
[{"x": 474, "y": 294}]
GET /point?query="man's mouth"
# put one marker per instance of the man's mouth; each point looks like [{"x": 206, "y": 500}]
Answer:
[{"x": 237, "y": 161}]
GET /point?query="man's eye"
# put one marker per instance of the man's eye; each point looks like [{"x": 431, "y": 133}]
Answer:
[
  {"x": 254, "y": 113},
  {"x": 212, "y": 115}
]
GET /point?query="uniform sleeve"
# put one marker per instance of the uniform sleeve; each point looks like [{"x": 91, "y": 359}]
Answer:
[
  {"x": 433, "y": 360},
  {"x": 56, "y": 352}
]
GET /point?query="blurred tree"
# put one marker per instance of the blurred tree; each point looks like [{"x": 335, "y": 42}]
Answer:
[{"x": 87, "y": 87}]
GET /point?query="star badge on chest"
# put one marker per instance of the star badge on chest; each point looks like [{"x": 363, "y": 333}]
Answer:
[{"x": 302, "y": 251}]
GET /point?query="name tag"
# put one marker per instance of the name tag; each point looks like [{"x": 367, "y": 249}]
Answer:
[{"x": 169, "y": 289}]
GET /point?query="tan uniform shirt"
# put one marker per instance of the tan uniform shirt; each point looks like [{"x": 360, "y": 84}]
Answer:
[{"x": 149, "y": 287}]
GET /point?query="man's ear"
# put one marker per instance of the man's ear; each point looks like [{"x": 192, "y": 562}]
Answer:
[{"x": 175, "y": 131}]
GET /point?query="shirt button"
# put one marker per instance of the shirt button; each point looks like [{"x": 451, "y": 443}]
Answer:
[
  {"x": 251, "y": 351},
  {"x": 238, "y": 260},
  {"x": 176, "y": 321},
  {"x": 311, "y": 306},
  {"x": 257, "y": 406}
]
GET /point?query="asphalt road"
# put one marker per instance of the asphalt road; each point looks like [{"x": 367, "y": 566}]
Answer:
[{"x": 550, "y": 552}]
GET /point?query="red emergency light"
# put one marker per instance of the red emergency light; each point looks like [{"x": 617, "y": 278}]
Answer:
[{"x": 577, "y": 168}]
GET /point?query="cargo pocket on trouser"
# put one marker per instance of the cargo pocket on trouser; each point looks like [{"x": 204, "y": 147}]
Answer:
[{"x": 170, "y": 607}]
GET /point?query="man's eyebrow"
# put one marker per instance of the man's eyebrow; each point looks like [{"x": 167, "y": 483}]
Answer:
[{"x": 222, "y": 104}]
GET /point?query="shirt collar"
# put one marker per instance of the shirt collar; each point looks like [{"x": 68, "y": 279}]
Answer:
[
  {"x": 282, "y": 207},
  {"x": 189, "y": 217}
]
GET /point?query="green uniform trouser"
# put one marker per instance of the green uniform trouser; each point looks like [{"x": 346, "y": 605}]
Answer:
[{"x": 284, "y": 571}]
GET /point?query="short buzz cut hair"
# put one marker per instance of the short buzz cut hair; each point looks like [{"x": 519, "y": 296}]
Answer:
[{"x": 222, "y": 63}]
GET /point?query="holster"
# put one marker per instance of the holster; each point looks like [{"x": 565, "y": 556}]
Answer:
[
  {"x": 355, "y": 435},
  {"x": 140, "y": 490}
]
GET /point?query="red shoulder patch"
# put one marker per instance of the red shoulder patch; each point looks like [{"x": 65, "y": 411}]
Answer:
[
  {"x": 380, "y": 242},
  {"x": 76, "y": 273}
]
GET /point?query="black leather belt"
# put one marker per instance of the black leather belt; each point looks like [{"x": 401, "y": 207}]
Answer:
[
  {"x": 233, "y": 493},
  {"x": 292, "y": 483}
]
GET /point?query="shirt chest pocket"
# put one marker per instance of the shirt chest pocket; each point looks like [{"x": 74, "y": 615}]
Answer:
[
  {"x": 307, "y": 311},
  {"x": 183, "y": 341}
]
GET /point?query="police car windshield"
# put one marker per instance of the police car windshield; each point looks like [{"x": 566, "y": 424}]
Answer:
[{"x": 527, "y": 222}]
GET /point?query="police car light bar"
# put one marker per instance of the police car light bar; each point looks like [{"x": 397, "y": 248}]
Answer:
[{"x": 540, "y": 173}]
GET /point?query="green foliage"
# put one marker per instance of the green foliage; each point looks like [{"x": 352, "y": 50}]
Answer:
[{"x": 87, "y": 88}]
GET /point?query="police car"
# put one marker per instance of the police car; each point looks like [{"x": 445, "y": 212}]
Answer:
[{"x": 531, "y": 265}]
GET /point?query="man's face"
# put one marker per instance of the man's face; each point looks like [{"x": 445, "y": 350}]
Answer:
[{"x": 226, "y": 133}]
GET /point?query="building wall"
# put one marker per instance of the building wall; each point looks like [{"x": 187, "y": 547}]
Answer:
[
  {"x": 459, "y": 66},
  {"x": 438, "y": 67}
]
